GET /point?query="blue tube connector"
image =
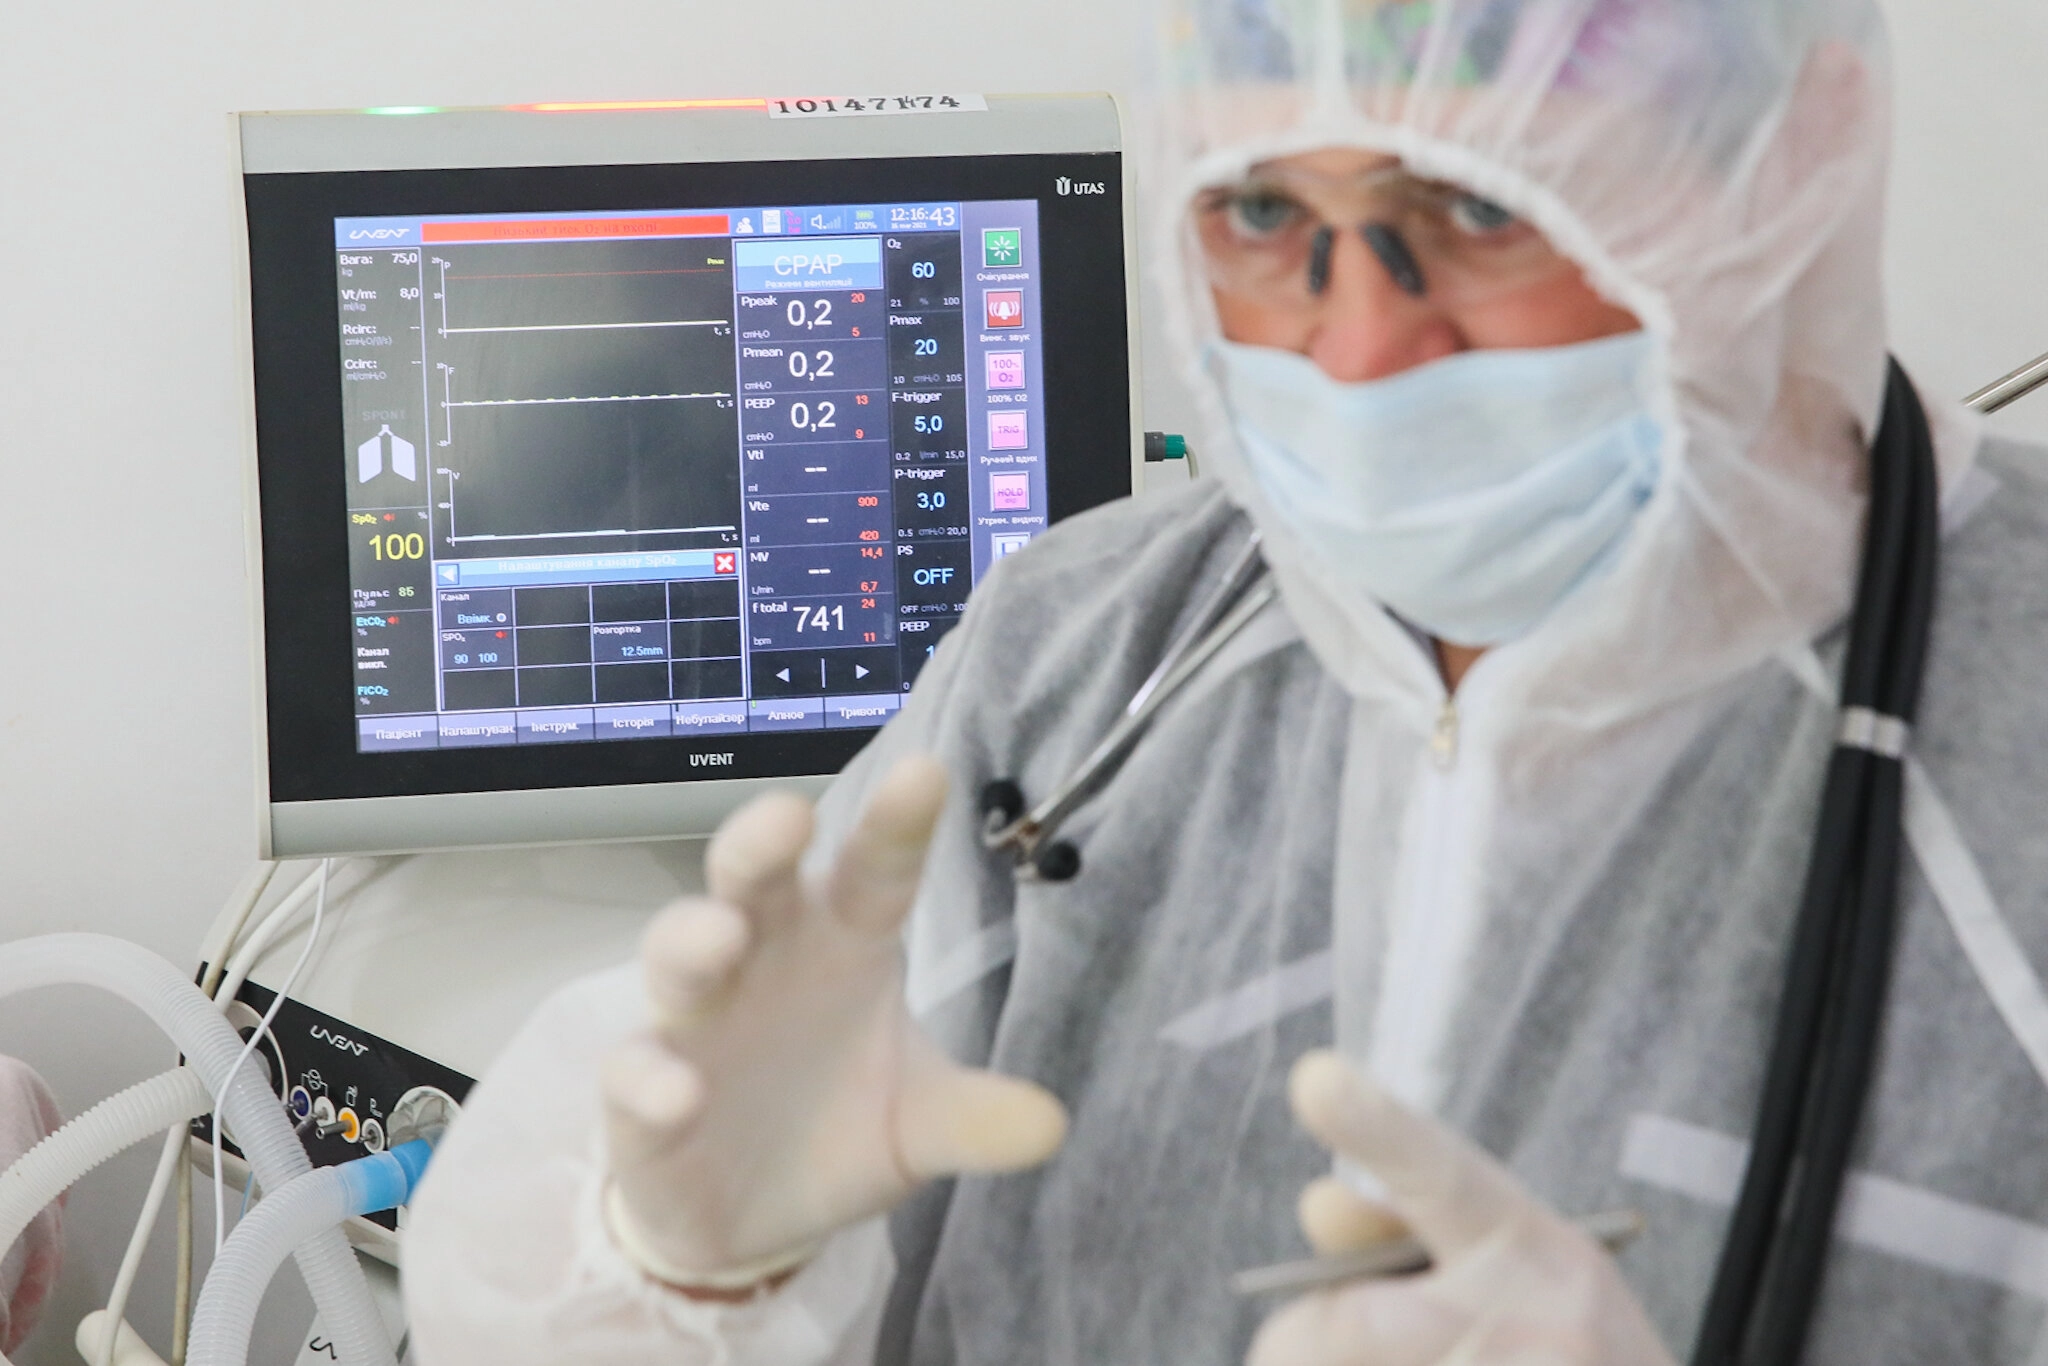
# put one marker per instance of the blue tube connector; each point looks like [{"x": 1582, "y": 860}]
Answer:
[
  {"x": 386, "y": 1180},
  {"x": 307, "y": 1206}
]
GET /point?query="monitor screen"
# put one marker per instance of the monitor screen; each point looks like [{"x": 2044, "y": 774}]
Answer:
[
  {"x": 589, "y": 468},
  {"x": 622, "y": 475}
]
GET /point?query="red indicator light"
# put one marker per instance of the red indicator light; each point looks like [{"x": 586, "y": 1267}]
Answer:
[
  {"x": 392, "y": 621},
  {"x": 578, "y": 229},
  {"x": 501, "y": 635}
]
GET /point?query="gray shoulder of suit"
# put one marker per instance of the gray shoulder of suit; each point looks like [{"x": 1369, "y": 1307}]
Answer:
[{"x": 1053, "y": 641}]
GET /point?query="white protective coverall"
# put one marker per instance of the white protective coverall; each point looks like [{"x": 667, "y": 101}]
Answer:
[{"x": 1553, "y": 910}]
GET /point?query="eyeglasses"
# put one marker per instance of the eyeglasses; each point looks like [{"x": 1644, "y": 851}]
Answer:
[{"x": 1272, "y": 236}]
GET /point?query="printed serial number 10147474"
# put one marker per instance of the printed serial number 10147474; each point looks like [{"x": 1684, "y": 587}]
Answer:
[{"x": 852, "y": 106}]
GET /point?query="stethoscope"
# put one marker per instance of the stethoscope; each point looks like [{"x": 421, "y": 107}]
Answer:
[
  {"x": 1030, "y": 836},
  {"x": 1837, "y": 976}
]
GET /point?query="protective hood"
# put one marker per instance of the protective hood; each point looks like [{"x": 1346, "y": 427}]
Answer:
[{"x": 1716, "y": 166}]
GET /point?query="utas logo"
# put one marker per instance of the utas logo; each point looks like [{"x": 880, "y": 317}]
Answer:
[
  {"x": 1068, "y": 186},
  {"x": 386, "y": 234},
  {"x": 322, "y": 1033}
]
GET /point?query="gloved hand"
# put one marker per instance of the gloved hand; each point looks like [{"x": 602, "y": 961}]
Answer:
[
  {"x": 1512, "y": 1280},
  {"x": 784, "y": 1090}
]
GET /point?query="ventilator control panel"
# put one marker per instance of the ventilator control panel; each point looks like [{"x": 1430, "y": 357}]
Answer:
[
  {"x": 594, "y": 486},
  {"x": 620, "y": 475},
  {"x": 348, "y": 1093}
]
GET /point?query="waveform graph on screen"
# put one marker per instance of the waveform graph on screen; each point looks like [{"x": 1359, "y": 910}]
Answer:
[{"x": 585, "y": 394}]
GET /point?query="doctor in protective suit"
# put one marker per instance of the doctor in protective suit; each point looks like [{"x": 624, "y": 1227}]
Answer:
[{"x": 1542, "y": 342}]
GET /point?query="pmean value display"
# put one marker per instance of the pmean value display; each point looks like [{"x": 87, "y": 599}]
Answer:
[{"x": 626, "y": 475}]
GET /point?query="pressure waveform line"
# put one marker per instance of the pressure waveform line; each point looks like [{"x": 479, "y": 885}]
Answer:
[{"x": 590, "y": 274}]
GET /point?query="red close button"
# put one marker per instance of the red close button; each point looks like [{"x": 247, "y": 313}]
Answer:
[{"x": 725, "y": 562}]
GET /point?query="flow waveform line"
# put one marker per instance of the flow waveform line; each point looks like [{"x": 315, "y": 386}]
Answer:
[
  {"x": 590, "y": 274},
  {"x": 589, "y": 327},
  {"x": 599, "y": 398}
]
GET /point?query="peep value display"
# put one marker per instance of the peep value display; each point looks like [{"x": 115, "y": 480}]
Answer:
[
  {"x": 619, "y": 475},
  {"x": 611, "y": 464}
]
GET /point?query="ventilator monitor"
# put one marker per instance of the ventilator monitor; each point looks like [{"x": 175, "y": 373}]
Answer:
[{"x": 610, "y": 461}]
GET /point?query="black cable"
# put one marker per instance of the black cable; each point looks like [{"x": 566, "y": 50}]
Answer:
[
  {"x": 1785, "y": 1311},
  {"x": 1908, "y": 677},
  {"x": 1838, "y": 970},
  {"x": 1785, "y": 1317},
  {"x": 1888, "y": 543},
  {"x": 1794, "y": 1045},
  {"x": 1811, "y": 984}
]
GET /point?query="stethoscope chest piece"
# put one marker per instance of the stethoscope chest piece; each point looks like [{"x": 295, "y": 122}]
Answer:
[
  {"x": 1028, "y": 834},
  {"x": 1004, "y": 825}
]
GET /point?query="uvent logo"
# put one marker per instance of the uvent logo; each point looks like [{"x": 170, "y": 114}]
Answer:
[
  {"x": 322, "y": 1033},
  {"x": 1068, "y": 186},
  {"x": 379, "y": 234}
]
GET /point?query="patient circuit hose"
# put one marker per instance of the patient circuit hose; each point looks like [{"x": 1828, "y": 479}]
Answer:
[
  {"x": 127, "y": 1348},
  {"x": 114, "y": 1125},
  {"x": 286, "y": 1218},
  {"x": 197, "y": 1027}
]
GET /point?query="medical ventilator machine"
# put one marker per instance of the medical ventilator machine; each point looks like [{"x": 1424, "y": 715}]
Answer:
[{"x": 611, "y": 465}]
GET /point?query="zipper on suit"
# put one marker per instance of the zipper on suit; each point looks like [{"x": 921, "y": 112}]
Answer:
[
  {"x": 1443, "y": 744},
  {"x": 1433, "y": 924}
]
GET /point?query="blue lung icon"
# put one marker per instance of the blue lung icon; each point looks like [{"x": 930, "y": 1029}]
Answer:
[{"x": 370, "y": 457}]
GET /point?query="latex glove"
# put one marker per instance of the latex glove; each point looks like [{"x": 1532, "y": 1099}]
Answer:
[
  {"x": 784, "y": 1090},
  {"x": 1512, "y": 1281},
  {"x": 28, "y": 1270}
]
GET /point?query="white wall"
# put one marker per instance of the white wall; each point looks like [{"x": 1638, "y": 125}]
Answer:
[
  {"x": 1966, "y": 275},
  {"x": 125, "y": 788}
]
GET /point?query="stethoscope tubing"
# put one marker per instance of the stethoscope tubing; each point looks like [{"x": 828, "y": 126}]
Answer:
[
  {"x": 1245, "y": 590},
  {"x": 1837, "y": 975}
]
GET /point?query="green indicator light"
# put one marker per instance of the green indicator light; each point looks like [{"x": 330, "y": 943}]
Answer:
[{"x": 405, "y": 109}]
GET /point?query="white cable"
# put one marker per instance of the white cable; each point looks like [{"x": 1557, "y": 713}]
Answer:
[
  {"x": 279, "y": 919},
  {"x": 247, "y": 895},
  {"x": 122, "y": 1347},
  {"x": 145, "y": 1224},
  {"x": 220, "y": 1204},
  {"x": 193, "y": 1021}
]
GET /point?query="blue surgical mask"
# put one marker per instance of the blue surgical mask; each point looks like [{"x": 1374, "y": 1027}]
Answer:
[{"x": 1470, "y": 495}]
